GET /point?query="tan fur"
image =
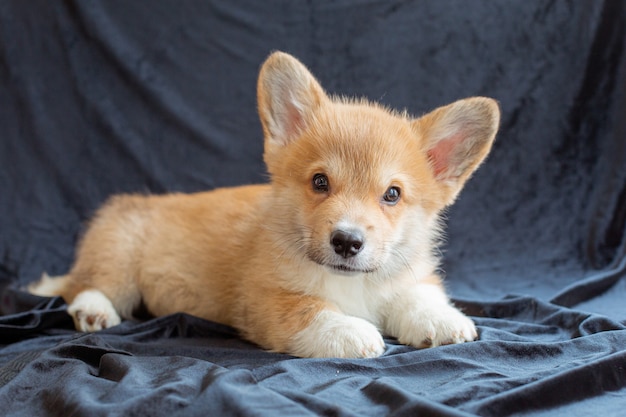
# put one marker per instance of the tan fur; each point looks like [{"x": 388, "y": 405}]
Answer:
[{"x": 253, "y": 257}]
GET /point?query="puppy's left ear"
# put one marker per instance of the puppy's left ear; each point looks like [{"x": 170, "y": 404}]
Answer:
[
  {"x": 457, "y": 138},
  {"x": 288, "y": 95}
]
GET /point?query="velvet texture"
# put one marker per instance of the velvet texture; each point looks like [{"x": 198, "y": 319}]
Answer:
[{"x": 98, "y": 98}]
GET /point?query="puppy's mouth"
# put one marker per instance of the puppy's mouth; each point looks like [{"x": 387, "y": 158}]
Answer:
[
  {"x": 348, "y": 269},
  {"x": 342, "y": 269}
]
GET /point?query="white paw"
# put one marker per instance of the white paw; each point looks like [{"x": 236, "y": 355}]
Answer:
[
  {"x": 335, "y": 335},
  {"x": 433, "y": 327},
  {"x": 93, "y": 311}
]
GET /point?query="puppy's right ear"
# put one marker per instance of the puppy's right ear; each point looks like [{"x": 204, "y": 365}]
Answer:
[
  {"x": 287, "y": 96},
  {"x": 457, "y": 138}
]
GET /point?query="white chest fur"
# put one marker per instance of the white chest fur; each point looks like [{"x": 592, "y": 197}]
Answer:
[{"x": 354, "y": 295}]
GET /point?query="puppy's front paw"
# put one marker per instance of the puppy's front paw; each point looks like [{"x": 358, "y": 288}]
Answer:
[
  {"x": 433, "y": 327},
  {"x": 93, "y": 311},
  {"x": 335, "y": 335}
]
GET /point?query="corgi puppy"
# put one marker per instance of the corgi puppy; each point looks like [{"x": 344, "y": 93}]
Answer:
[{"x": 338, "y": 248}]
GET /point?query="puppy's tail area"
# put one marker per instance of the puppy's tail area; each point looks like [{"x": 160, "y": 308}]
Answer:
[{"x": 48, "y": 286}]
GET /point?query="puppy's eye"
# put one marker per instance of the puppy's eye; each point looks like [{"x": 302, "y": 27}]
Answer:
[
  {"x": 320, "y": 183},
  {"x": 391, "y": 196}
]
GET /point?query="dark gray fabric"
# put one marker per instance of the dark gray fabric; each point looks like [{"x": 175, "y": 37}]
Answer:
[{"x": 98, "y": 98}]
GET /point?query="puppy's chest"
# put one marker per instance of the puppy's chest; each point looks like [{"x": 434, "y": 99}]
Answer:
[{"x": 356, "y": 297}]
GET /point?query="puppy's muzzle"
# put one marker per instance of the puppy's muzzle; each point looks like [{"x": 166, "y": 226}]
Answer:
[{"x": 347, "y": 243}]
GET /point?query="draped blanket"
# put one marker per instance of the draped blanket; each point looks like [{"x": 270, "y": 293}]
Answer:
[{"x": 98, "y": 98}]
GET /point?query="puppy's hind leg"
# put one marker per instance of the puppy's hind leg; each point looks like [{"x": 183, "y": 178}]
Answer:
[
  {"x": 89, "y": 307},
  {"x": 93, "y": 311}
]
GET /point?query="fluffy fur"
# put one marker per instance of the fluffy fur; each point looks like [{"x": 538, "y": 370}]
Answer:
[{"x": 338, "y": 248}]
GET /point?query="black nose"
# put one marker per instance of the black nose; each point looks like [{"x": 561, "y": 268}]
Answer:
[{"x": 346, "y": 244}]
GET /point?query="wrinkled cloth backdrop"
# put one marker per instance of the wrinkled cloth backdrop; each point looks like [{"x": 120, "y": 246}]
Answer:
[{"x": 98, "y": 98}]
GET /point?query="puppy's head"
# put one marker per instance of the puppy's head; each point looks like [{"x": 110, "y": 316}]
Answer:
[{"x": 358, "y": 188}]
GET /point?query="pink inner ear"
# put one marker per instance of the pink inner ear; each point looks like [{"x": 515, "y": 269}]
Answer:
[
  {"x": 293, "y": 122},
  {"x": 442, "y": 155}
]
